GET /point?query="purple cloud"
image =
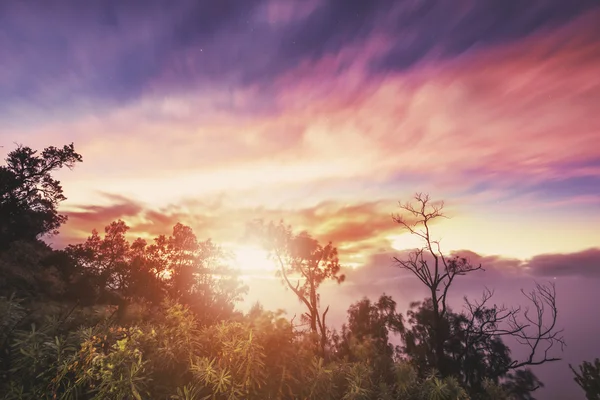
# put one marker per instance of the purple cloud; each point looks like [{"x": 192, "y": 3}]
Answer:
[
  {"x": 86, "y": 56},
  {"x": 584, "y": 263}
]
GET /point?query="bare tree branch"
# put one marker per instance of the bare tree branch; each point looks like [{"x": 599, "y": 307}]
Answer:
[
  {"x": 481, "y": 325},
  {"x": 538, "y": 333},
  {"x": 439, "y": 272}
]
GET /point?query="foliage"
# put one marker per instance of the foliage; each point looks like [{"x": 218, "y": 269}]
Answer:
[
  {"x": 23, "y": 273},
  {"x": 29, "y": 195},
  {"x": 366, "y": 336},
  {"x": 178, "y": 267},
  {"x": 588, "y": 378},
  {"x": 171, "y": 355},
  {"x": 476, "y": 360},
  {"x": 112, "y": 318},
  {"x": 469, "y": 345}
]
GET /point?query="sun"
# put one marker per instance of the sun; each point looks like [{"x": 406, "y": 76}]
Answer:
[{"x": 253, "y": 258}]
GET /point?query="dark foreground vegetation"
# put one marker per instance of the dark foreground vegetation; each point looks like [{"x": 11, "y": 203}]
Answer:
[{"x": 115, "y": 319}]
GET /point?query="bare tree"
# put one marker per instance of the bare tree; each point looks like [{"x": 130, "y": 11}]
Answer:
[
  {"x": 430, "y": 265},
  {"x": 533, "y": 327}
]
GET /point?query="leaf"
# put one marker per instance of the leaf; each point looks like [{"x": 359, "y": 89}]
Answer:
[{"x": 135, "y": 392}]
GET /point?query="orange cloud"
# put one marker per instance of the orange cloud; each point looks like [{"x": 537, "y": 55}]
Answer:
[{"x": 352, "y": 227}]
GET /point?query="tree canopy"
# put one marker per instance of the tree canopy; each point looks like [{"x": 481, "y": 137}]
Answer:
[{"x": 30, "y": 195}]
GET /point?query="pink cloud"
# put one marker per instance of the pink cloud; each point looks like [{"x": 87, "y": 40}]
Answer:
[
  {"x": 498, "y": 115},
  {"x": 501, "y": 112}
]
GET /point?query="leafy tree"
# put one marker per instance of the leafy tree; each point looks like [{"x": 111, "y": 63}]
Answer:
[
  {"x": 77, "y": 283},
  {"x": 178, "y": 266},
  {"x": 109, "y": 260},
  {"x": 304, "y": 265},
  {"x": 23, "y": 273},
  {"x": 29, "y": 195},
  {"x": 588, "y": 378},
  {"x": 196, "y": 273},
  {"x": 476, "y": 359},
  {"x": 521, "y": 383},
  {"x": 366, "y": 337},
  {"x": 29, "y": 200}
]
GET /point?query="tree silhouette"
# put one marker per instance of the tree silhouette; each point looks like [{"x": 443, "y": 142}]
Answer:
[
  {"x": 178, "y": 266},
  {"x": 113, "y": 265},
  {"x": 476, "y": 358},
  {"x": 29, "y": 195},
  {"x": 304, "y": 265},
  {"x": 366, "y": 337},
  {"x": 532, "y": 326},
  {"x": 588, "y": 378},
  {"x": 196, "y": 273},
  {"x": 432, "y": 267},
  {"x": 469, "y": 344}
]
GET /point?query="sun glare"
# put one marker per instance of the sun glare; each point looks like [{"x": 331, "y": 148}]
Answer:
[
  {"x": 250, "y": 258},
  {"x": 405, "y": 241}
]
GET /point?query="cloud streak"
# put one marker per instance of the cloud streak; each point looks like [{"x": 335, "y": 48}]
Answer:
[
  {"x": 108, "y": 52},
  {"x": 495, "y": 117}
]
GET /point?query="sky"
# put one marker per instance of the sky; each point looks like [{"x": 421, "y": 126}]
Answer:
[{"x": 326, "y": 113}]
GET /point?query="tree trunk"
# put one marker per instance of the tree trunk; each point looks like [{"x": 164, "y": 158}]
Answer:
[{"x": 438, "y": 335}]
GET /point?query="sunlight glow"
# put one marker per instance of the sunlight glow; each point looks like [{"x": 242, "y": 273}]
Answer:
[
  {"x": 405, "y": 241},
  {"x": 252, "y": 258}
]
